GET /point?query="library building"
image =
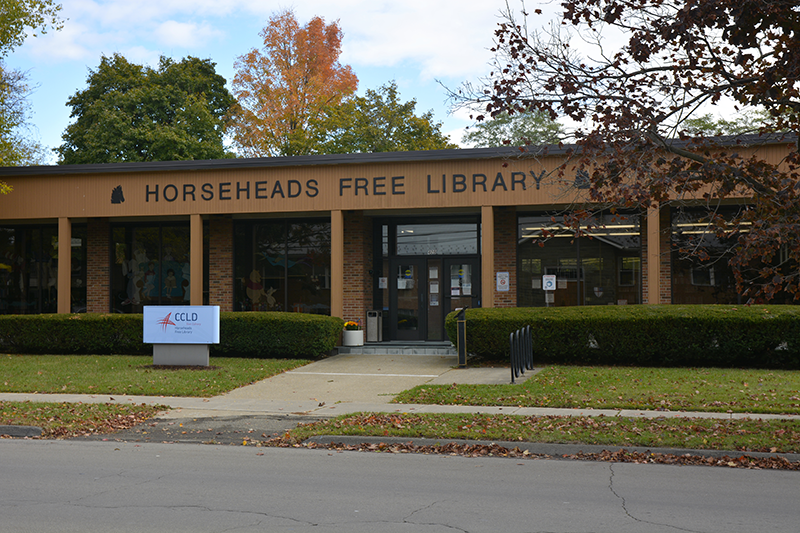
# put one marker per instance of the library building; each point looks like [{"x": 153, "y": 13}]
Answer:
[{"x": 407, "y": 236}]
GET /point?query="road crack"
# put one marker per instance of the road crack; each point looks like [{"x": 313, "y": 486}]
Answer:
[
  {"x": 628, "y": 513},
  {"x": 407, "y": 519}
]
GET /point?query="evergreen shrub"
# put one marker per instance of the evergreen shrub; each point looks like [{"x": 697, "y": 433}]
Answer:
[
  {"x": 255, "y": 335},
  {"x": 764, "y": 336}
]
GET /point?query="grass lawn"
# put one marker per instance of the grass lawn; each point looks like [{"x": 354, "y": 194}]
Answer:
[
  {"x": 755, "y": 391},
  {"x": 674, "y": 389},
  {"x": 743, "y": 435},
  {"x": 61, "y": 420},
  {"x": 131, "y": 375}
]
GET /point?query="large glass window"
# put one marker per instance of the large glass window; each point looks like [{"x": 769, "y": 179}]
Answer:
[
  {"x": 437, "y": 239},
  {"x": 696, "y": 281},
  {"x": 283, "y": 266},
  {"x": 151, "y": 266},
  {"x": 701, "y": 273},
  {"x": 29, "y": 269},
  {"x": 602, "y": 267},
  {"x": 78, "y": 276}
]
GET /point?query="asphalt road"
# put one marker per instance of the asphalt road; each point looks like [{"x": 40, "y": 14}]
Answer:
[
  {"x": 69, "y": 486},
  {"x": 211, "y": 430}
]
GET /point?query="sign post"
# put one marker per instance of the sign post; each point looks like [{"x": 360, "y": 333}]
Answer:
[
  {"x": 548, "y": 284},
  {"x": 181, "y": 335}
]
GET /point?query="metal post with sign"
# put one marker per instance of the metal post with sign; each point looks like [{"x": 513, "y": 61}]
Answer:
[
  {"x": 461, "y": 320},
  {"x": 181, "y": 335},
  {"x": 549, "y": 285}
]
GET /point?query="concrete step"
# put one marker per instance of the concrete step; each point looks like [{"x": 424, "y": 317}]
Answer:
[{"x": 394, "y": 348}]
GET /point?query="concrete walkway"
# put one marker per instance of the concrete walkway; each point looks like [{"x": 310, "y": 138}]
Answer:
[{"x": 353, "y": 383}]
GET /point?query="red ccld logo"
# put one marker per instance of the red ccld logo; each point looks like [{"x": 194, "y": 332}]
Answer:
[{"x": 164, "y": 322}]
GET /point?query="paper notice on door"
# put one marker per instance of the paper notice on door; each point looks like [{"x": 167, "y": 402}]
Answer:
[
  {"x": 434, "y": 300},
  {"x": 401, "y": 283},
  {"x": 455, "y": 291},
  {"x": 434, "y": 287},
  {"x": 467, "y": 287}
]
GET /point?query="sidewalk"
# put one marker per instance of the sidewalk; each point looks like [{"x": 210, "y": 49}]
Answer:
[{"x": 352, "y": 383}]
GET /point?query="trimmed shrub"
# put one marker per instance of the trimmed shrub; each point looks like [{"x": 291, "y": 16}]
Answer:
[
  {"x": 73, "y": 334},
  {"x": 643, "y": 335},
  {"x": 276, "y": 334},
  {"x": 257, "y": 335}
]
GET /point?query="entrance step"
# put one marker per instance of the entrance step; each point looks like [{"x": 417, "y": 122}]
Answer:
[{"x": 401, "y": 348}]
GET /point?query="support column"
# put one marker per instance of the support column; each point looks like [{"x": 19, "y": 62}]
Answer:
[
  {"x": 653, "y": 255},
  {"x": 220, "y": 262},
  {"x": 337, "y": 263},
  {"x": 64, "y": 281},
  {"x": 487, "y": 256},
  {"x": 196, "y": 260},
  {"x": 98, "y": 265}
]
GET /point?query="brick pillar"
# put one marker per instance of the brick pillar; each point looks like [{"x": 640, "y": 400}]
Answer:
[
  {"x": 220, "y": 262},
  {"x": 663, "y": 256},
  {"x": 357, "y": 263},
  {"x": 505, "y": 253},
  {"x": 98, "y": 266}
]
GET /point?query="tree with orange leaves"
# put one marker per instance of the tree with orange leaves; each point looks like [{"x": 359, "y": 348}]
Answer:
[{"x": 284, "y": 89}]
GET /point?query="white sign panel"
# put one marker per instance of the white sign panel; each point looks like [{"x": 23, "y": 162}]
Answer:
[
  {"x": 503, "y": 281},
  {"x": 549, "y": 282},
  {"x": 186, "y": 324}
]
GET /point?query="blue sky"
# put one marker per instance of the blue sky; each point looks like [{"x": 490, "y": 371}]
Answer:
[{"x": 414, "y": 42}]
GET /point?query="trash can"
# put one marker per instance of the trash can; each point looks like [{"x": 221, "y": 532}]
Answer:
[{"x": 374, "y": 326}]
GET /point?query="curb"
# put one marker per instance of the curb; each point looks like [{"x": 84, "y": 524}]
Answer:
[
  {"x": 20, "y": 431},
  {"x": 551, "y": 449}
]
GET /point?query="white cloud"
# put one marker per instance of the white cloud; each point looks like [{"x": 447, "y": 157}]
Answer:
[
  {"x": 185, "y": 34},
  {"x": 447, "y": 38}
]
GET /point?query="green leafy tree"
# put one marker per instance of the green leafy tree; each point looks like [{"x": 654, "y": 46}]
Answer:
[
  {"x": 16, "y": 148},
  {"x": 747, "y": 123},
  {"x": 380, "y": 122},
  {"x": 19, "y": 18},
  {"x": 528, "y": 128},
  {"x": 130, "y": 112}
]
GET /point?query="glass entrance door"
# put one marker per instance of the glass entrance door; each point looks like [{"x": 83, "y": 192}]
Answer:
[
  {"x": 409, "y": 299},
  {"x": 463, "y": 284},
  {"x": 425, "y": 289},
  {"x": 425, "y": 269}
]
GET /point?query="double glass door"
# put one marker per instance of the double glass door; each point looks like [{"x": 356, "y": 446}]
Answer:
[{"x": 423, "y": 290}]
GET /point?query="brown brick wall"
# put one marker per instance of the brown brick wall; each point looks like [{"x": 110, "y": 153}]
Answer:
[
  {"x": 98, "y": 272},
  {"x": 220, "y": 262},
  {"x": 505, "y": 254},
  {"x": 665, "y": 272},
  {"x": 645, "y": 261},
  {"x": 357, "y": 262}
]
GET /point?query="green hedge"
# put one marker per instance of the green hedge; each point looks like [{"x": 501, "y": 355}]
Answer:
[
  {"x": 643, "y": 335},
  {"x": 275, "y": 335},
  {"x": 256, "y": 335}
]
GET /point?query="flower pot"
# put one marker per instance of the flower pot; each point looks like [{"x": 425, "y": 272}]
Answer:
[{"x": 353, "y": 337}]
